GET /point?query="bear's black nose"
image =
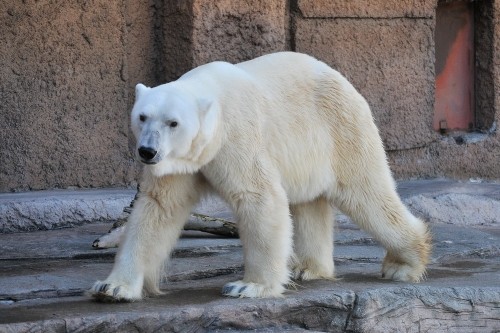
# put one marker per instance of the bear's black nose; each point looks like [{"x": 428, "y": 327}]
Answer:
[{"x": 147, "y": 153}]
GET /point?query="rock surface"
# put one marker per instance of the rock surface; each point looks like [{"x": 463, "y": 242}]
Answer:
[
  {"x": 43, "y": 276},
  {"x": 42, "y": 210},
  {"x": 458, "y": 209},
  {"x": 392, "y": 112}
]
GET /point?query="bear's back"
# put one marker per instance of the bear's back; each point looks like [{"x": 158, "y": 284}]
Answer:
[{"x": 283, "y": 68}]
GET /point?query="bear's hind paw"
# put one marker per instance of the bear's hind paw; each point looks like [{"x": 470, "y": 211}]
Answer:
[
  {"x": 250, "y": 290},
  {"x": 402, "y": 272}
]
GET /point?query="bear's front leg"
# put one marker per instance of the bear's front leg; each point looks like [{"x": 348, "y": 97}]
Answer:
[
  {"x": 151, "y": 233},
  {"x": 265, "y": 229}
]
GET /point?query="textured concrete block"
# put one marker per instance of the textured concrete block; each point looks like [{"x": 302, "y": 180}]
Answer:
[
  {"x": 391, "y": 62},
  {"x": 44, "y": 210},
  {"x": 456, "y": 208},
  {"x": 485, "y": 66},
  {"x": 496, "y": 63},
  {"x": 69, "y": 70},
  {"x": 142, "y": 45},
  {"x": 453, "y": 156},
  {"x": 460, "y": 309},
  {"x": 63, "y": 116},
  {"x": 174, "y": 33},
  {"x": 195, "y": 32},
  {"x": 363, "y": 8},
  {"x": 235, "y": 31}
]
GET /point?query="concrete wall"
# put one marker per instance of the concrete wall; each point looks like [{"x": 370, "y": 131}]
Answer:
[
  {"x": 68, "y": 69},
  {"x": 474, "y": 155},
  {"x": 63, "y": 88},
  {"x": 385, "y": 53},
  {"x": 386, "y": 48}
]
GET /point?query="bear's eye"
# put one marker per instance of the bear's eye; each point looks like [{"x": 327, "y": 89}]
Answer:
[
  {"x": 142, "y": 118},
  {"x": 173, "y": 124}
]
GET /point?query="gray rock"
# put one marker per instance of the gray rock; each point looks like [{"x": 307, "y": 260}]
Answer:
[
  {"x": 325, "y": 311},
  {"x": 456, "y": 208},
  {"x": 43, "y": 275},
  {"x": 427, "y": 309},
  {"x": 44, "y": 210}
]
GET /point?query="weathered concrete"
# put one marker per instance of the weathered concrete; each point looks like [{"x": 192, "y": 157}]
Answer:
[
  {"x": 68, "y": 72},
  {"x": 40, "y": 290},
  {"x": 421, "y": 309},
  {"x": 364, "y": 9},
  {"x": 387, "y": 49},
  {"x": 457, "y": 209},
  {"x": 64, "y": 115},
  {"x": 439, "y": 201},
  {"x": 236, "y": 31},
  {"x": 43, "y": 275},
  {"x": 359, "y": 51},
  {"x": 459, "y": 203},
  {"x": 43, "y": 210}
]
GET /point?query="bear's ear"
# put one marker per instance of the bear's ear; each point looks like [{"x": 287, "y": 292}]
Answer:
[
  {"x": 209, "y": 114},
  {"x": 140, "y": 89},
  {"x": 204, "y": 105}
]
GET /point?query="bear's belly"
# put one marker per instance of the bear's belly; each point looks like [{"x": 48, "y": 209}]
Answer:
[
  {"x": 302, "y": 156},
  {"x": 306, "y": 179}
]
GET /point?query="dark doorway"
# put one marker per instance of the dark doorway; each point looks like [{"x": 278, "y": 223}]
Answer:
[{"x": 454, "y": 38}]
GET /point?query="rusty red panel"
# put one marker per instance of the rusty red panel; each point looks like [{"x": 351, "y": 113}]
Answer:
[{"x": 454, "y": 36}]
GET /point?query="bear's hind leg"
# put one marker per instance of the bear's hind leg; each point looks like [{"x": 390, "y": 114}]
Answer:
[
  {"x": 313, "y": 240},
  {"x": 406, "y": 238}
]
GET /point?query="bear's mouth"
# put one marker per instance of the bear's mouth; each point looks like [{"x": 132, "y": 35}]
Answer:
[{"x": 149, "y": 162}]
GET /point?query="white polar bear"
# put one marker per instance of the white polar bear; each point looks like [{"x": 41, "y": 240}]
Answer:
[{"x": 282, "y": 138}]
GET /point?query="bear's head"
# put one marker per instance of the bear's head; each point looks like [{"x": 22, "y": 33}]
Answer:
[{"x": 173, "y": 128}]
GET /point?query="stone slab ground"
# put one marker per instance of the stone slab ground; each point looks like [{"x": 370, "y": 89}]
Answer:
[{"x": 43, "y": 276}]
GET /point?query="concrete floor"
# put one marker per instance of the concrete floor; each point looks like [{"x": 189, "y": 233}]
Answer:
[{"x": 43, "y": 276}]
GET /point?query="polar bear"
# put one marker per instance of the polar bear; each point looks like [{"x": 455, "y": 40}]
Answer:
[{"x": 283, "y": 139}]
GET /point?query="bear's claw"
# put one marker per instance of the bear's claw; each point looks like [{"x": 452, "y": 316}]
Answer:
[
  {"x": 116, "y": 291},
  {"x": 108, "y": 292},
  {"x": 250, "y": 289},
  {"x": 103, "y": 288},
  {"x": 227, "y": 289}
]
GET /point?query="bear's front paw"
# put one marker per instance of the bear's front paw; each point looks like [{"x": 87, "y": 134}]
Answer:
[
  {"x": 250, "y": 289},
  {"x": 397, "y": 270},
  {"x": 111, "y": 292}
]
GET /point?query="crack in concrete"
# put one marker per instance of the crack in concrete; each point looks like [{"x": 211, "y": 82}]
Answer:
[{"x": 351, "y": 313}]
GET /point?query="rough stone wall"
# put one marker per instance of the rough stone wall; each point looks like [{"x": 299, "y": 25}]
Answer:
[
  {"x": 174, "y": 38},
  {"x": 473, "y": 155},
  {"x": 485, "y": 77},
  {"x": 386, "y": 58},
  {"x": 63, "y": 115},
  {"x": 69, "y": 68},
  {"x": 386, "y": 49},
  {"x": 236, "y": 31},
  {"x": 195, "y": 32}
]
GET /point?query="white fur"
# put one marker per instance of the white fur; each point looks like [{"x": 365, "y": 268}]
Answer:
[{"x": 281, "y": 138}]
